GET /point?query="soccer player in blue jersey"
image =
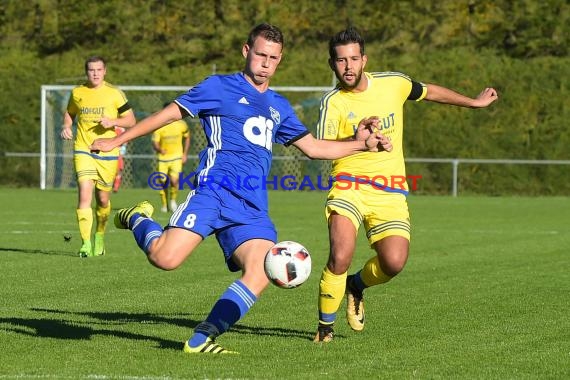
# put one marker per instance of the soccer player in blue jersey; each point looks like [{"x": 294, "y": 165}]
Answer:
[
  {"x": 241, "y": 118},
  {"x": 379, "y": 205}
]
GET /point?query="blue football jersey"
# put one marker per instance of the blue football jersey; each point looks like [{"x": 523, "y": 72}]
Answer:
[{"x": 240, "y": 124}]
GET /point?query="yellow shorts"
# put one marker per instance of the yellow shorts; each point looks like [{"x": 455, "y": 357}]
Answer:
[
  {"x": 172, "y": 168},
  {"x": 101, "y": 169},
  {"x": 383, "y": 214}
]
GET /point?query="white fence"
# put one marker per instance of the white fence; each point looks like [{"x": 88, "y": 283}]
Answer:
[{"x": 456, "y": 161}]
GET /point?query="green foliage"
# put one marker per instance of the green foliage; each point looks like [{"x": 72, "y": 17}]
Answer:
[
  {"x": 524, "y": 123},
  {"x": 520, "y": 48}
]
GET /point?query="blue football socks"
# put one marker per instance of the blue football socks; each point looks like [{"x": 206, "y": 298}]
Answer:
[
  {"x": 145, "y": 230},
  {"x": 234, "y": 303}
]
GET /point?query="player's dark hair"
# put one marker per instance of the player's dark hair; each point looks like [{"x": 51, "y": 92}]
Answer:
[
  {"x": 94, "y": 58},
  {"x": 348, "y": 36},
  {"x": 267, "y": 31}
]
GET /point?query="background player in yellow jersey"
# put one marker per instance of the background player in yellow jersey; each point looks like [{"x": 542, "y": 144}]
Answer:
[
  {"x": 171, "y": 143},
  {"x": 369, "y": 187},
  {"x": 98, "y": 107}
]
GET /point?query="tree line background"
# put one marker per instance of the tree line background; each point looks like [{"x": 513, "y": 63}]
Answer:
[{"x": 518, "y": 47}]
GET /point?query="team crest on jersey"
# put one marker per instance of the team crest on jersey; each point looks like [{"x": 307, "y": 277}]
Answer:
[
  {"x": 332, "y": 128},
  {"x": 351, "y": 115},
  {"x": 275, "y": 115}
]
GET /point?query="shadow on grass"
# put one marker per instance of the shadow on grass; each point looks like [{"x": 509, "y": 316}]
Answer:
[
  {"x": 71, "y": 326},
  {"x": 38, "y": 251},
  {"x": 59, "y": 329}
]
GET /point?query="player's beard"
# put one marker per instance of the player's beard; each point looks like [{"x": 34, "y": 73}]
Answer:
[{"x": 346, "y": 85}]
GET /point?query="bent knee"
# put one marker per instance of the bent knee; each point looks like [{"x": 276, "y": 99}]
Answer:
[
  {"x": 393, "y": 269},
  {"x": 392, "y": 265},
  {"x": 164, "y": 260}
]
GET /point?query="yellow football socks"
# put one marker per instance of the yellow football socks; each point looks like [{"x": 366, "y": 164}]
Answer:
[
  {"x": 85, "y": 221},
  {"x": 102, "y": 217},
  {"x": 173, "y": 193},
  {"x": 162, "y": 198},
  {"x": 372, "y": 274},
  {"x": 331, "y": 291}
]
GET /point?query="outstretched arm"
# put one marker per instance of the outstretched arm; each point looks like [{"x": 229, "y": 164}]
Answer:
[
  {"x": 155, "y": 121},
  {"x": 444, "y": 95},
  {"x": 331, "y": 150}
]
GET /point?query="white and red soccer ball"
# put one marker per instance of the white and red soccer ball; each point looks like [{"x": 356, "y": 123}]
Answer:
[{"x": 288, "y": 264}]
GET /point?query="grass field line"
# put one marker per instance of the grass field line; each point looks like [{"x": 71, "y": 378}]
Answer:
[
  {"x": 18, "y": 232},
  {"x": 36, "y": 232},
  {"x": 492, "y": 231},
  {"x": 92, "y": 376},
  {"x": 47, "y": 223}
]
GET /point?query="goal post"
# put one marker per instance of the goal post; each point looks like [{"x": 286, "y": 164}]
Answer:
[{"x": 56, "y": 155}]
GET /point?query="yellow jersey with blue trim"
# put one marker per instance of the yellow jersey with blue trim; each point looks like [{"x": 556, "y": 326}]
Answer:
[
  {"x": 342, "y": 110},
  {"x": 87, "y": 106},
  {"x": 169, "y": 139}
]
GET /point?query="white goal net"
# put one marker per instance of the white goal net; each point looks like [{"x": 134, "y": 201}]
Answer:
[{"x": 56, "y": 161}]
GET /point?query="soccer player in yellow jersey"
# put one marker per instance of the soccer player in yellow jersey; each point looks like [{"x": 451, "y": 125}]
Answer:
[
  {"x": 171, "y": 144},
  {"x": 370, "y": 187},
  {"x": 98, "y": 108}
]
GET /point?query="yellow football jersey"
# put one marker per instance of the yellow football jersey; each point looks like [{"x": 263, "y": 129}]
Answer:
[
  {"x": 341, "y": 111},
  {"x": 88, "y": 105},
  {"x": 169, "y": 139}
]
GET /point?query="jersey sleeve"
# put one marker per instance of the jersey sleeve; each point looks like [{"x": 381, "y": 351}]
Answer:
[
  {"x": 155, "y": 136},
  {"x": 72, "y": 108},
  {"x": 204, "y": 96},
  {"x": 418, "y": 91},
  {"x": 185, "y": 130},
  {"x": 291, "y": 128},
  {"x": 329, "y": 116},
  {"x": 122, "y": 103}
]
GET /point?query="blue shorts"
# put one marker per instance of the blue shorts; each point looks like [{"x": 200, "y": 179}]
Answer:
[{"x": 232, "y": 219}]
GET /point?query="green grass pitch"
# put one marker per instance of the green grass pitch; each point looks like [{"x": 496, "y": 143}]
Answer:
[{"x": 485, "y": 295}]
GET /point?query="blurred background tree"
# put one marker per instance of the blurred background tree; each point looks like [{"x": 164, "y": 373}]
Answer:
[{"x": 519, "y": 47}]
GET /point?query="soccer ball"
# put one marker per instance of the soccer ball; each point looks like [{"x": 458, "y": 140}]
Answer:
[{"x": 288, "y": 264}]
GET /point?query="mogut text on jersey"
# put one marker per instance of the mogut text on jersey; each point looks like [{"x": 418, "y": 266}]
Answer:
[
  {"x": 92, "y": 110},
  {"x": 383, "y": 123}
]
